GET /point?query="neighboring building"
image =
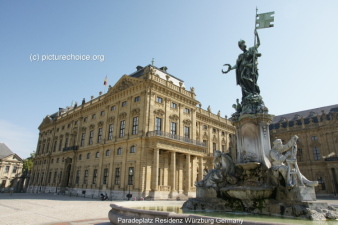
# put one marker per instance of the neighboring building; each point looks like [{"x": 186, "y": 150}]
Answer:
[
  {"x": 317, "y": 154},
  {"x": 146, "y": 136},
  {"x": 10, "y": 168}
]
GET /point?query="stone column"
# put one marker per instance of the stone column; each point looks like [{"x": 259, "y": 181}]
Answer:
[
  {"x": 200, "y": 172},
  {"x": 155, "y": 169},
  {"x": 173, "y": 172},
  {"x": 180, "y": 173},
  {"x": 165, "y": 169},
  {"x": 187, "y": 174}
]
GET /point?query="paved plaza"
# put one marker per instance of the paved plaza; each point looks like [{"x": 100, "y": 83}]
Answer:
[{"x": 50, "y": 209}]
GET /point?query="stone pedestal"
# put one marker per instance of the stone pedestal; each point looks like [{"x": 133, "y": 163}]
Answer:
[
  {"x": 205, "y": 192},
  {"x": 303, "y": 193},
  {"x": 253, "y": 138}
]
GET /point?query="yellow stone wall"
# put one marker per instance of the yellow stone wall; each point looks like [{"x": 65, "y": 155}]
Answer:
[
  {"x": 317, "y": 139},
  {"x": 166, "y": 165}
]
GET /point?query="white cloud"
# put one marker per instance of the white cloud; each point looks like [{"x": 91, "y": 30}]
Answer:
[{"x": 19, "y": 140}]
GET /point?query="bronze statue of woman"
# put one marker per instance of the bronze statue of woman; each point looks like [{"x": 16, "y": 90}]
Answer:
[{"x": 246, "y": 68}]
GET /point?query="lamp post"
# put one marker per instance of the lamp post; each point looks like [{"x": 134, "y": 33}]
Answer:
[{"x": 130, "y": 181}]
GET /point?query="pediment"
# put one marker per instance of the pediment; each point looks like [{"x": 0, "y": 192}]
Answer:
[
  {"x": 45, "y": 122},
  {"x": 13, "y": 158},
  {"x": 124, "y": 83}
]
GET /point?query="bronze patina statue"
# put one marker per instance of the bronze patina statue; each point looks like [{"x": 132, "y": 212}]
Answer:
[
  {"x": 246, "y": 68},
  {"x": 246, "y": 77}
]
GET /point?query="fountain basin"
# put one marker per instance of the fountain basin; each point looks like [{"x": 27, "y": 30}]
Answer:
[{"x": 248, "y": 193}]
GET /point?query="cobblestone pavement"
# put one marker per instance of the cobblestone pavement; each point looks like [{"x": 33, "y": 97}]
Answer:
[{"x": 50, "y": 209}]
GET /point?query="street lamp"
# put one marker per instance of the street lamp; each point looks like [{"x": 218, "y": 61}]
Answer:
[{"x": 130, "y": 181}]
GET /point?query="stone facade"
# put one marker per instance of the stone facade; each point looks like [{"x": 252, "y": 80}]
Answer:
[
  {"x": 10, "y": 169},
  {"x": 146, "y": 135},
  {"x": 317, "y": 154}
]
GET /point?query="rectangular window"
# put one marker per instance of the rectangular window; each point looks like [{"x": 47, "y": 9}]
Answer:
[
  {"x": 214, "y": 146},
  {"x": 316, "y": 153},
  {"x": 159, "y": 99},
  {"x": 105, "y": 176},
  {"x": 42, "y": 176},
  {"x": 132, "y": 149},
  {"x": 299, "y": 155},
  {"x": 186, "y": 110},
  {"x": 60, "y": 145},
  {"x": 94, "y": 176},
  {"x": 110, "y": 132},
  {"x": 55, "y": 176},
  {"x": 85, "y": 179},
  {"x": 102, "y": 113},
  {"x": 112, "y": 108},
  {"x": 173, "y": 105},
  {"x": 99, "y": 136},
  {"x": 205, "y": 143},
  {"x": 66, "y": 143},
  {"x": 124, "y": 103},
  {"x": 173, "y": 128},
  {"x": 77, "y": 179},
  {"x": 60, "y": 177},
  {"x": 122, "y": 127},
  {"x": 91, "y": 135},
  {"x": 137, "y": 99},
  {"x": 158, "y": 124},
  {"x": 7, "y": 169},
  {"x": 14, "y": 169},
  {"x": 187, "y": 132},
  {"x": 49, "y": 177},
  {"x": 93, "y": 116},
  {"x": 135, "y": 125},
  {"x": 130, "y": 175},
  {"x": 117, "y": 176},
  {"x": 82, "y": 139},
  {"x": 55, "y": 143}
]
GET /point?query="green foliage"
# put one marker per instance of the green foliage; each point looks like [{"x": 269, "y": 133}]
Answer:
[{"x": 28, "y": 163}]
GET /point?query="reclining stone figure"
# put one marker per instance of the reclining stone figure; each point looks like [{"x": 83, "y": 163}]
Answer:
[{"x": 222, "y": 174}]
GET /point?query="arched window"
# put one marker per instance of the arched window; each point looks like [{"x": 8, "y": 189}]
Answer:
[
  {"x": 119, "y": 151},
  {"x": 97, "y": 155},
  {"x": 108, "y": 152},
  {"x": 88, "y": 156},
  {"x": 80, "y": 157},
  {"x": 132, "y": 149}
]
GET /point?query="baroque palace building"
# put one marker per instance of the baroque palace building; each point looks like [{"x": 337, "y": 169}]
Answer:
[
  {"x": 317, "y": 153},
  {"x": 147, "y": 136},
  {"x": 10, "y": 169}
]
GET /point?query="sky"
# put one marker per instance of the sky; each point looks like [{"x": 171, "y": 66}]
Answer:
[{"x": 193, "y": 38}]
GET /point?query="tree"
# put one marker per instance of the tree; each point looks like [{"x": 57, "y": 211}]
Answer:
[{"x": 28, "y": 163}]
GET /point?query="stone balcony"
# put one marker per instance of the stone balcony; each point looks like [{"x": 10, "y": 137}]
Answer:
[
  {"x": 174, "y": 137},
  {"x": 71, "y": 148}
]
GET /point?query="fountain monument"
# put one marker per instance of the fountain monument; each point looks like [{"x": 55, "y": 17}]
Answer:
[{"x": 262, "y": 179}]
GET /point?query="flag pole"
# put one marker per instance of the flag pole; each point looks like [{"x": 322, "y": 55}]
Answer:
[{"x": 254, "y": 55}]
